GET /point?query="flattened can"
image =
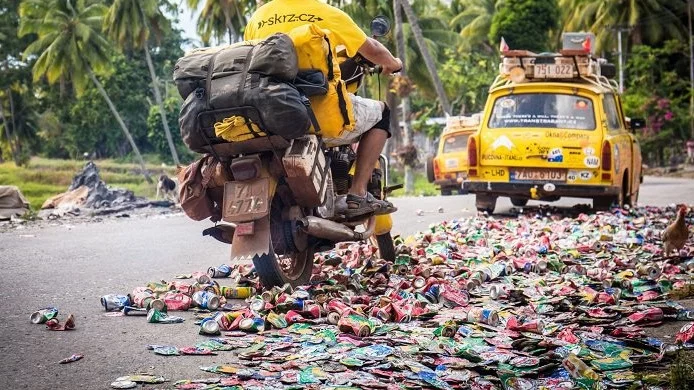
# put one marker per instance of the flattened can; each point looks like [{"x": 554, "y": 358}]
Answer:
[
  {"x": 206, "y": 300},
  {"x": 114, "y": 302},
  {"x": 355, "y": 324},
  {"x": 43, "y": 315},
  {"x": 478, "y": 315}
]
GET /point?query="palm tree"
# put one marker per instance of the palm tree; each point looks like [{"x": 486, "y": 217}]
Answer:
[
  {"x": 129, "y": 23},
  {"x": 222, "y": 17},
  {"x": 474, "y": 22},
  {"x": 69, "y": 45},
  {"x": 649, "y": 20},
  {"x": 428, "y": 59}
]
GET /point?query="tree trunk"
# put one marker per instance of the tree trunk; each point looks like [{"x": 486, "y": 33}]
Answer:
[
  {"x": 160, "y": 103},
  {"x": 405, "y": 101},
  {"x": 428, "y": 60},
  {"x": 17, "y": 145},
  {"x": 6, "y": 124},
  {"x": 101, "y": 89}
]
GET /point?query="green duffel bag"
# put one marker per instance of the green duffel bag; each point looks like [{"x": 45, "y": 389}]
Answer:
[{"x": 274, "y": 56}]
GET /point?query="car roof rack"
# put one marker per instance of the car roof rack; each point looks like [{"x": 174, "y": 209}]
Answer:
[{"x": 575, "y": 62}]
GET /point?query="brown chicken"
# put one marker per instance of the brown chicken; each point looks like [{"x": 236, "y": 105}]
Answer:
[{"x": 677, "y": 234}]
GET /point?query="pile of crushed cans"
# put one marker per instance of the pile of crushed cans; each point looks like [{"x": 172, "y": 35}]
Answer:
[{"x": 534, "y": 302}]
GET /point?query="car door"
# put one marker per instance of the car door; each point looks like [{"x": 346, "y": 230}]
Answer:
[
  {"x": 635, "y": 157},
  {"x": 621, "y": 142}
]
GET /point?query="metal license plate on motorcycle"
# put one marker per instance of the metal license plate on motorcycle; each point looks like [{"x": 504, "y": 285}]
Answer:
[
  {"x": 554, "y": 71},
  {"x": 538, "y": 175},
  {"x": 246, "y": 201}
]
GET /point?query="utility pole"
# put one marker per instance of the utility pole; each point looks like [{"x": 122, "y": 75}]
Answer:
[
  {"x": 621, "y": 61},
  {"x": 404, "y": 100}
]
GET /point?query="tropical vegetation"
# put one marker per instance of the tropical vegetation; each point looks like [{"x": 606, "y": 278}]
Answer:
[{"x": 93, "y": 77}]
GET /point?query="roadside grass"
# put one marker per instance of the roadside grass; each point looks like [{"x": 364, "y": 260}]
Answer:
[
  {"x": 43, "y": 178},
  {"x": 422, "y": 187}
]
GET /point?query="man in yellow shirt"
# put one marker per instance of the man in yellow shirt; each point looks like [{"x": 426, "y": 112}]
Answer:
[{"x": 372, "y": 118}]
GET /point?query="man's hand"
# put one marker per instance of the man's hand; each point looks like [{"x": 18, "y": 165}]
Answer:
[
  {"x": 378, "y": 54},
  {"x": 395, "y": 67}
]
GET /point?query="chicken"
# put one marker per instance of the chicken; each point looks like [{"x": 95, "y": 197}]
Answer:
[{"x": 677, "y": 234}]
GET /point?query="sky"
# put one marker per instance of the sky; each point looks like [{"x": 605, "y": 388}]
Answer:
[{"x": 187, "y": 22}]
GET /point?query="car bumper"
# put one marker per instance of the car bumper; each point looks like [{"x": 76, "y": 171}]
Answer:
[
  {"x": 448, "y": 183},
  {"x": 523, "y": 189}
]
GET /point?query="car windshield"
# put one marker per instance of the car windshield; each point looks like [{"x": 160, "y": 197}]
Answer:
[
  {"x": 455, "y": 143},
  {"x": 545, "y": 110}
]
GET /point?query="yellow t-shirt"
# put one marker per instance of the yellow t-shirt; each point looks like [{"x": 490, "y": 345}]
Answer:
[{"x": 281, "y": 16}]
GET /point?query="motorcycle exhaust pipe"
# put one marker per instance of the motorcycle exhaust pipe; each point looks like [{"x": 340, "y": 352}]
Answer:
[{"x": 336, "y": 232}]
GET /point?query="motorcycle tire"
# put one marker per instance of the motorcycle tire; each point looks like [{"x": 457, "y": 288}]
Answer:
[
  {"x": 386, "y": 247},
  {"x": 271, "y": 273}
]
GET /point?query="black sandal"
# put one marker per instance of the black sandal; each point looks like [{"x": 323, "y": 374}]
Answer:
[{"x": 359, "y": 206}]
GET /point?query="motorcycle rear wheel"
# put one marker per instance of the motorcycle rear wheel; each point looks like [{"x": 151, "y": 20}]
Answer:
[
  {"x": 283, "y": 263},
  {"x": 273, "y": 270},
  {"x": 386, "y": 247}
]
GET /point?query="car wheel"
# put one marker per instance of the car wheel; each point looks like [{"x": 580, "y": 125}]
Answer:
[
  {"x": 485, "y": 203},
  {"x": 603, "y": 203},
  {"x": 430, "y": 169},
  {"x": 519, "y": 202},
  {"x": 446, "y": 191}
]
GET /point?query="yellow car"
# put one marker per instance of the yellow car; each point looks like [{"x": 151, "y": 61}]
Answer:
[
  {"x": 554, "y": 126},
  {"x": 448, "y": 169}
]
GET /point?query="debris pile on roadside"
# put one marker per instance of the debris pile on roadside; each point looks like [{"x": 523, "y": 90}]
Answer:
[
  {"x": 481, "y": 303},
  {"x": 88, "y": 192}
]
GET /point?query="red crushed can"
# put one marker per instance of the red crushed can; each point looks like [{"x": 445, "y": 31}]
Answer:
[
  {"x": 453, "y": 298},
  {"x": 183, "y": 287},
  {"x": 648, "y": 315},
  {"x": 355, "y": 324},
  {"x": 402, "y": 311},
  {"x": 312, "y": 310},
  {"x": 293, "y": 317},
  {"x": 686, "y": 334},
  {"x": 177, "y": 301},
  {"x": 336, "y": 305}
]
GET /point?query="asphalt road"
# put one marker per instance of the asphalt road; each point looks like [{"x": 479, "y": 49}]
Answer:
[{"x": 71, "y": 265}]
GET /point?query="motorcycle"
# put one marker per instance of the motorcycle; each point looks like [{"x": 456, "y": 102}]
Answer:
[{"x": 281, "y": 200}]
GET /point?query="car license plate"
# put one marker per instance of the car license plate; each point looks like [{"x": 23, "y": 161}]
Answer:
[
  {"x": 452, "y": 163},
  {"x": 538, "y": 175},
  {"x": 554, "y": 71},
  {"x": 247, "y": 200}
]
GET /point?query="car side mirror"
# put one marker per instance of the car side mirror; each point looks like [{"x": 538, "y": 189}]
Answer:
[
  {"x": 637, "y": 123},
  {"x": 380, "y": 26}
]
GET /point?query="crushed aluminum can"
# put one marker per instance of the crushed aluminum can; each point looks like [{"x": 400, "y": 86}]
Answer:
[
  {"x": 477, "y": 315},
  {"x": 355, "y": 324},
  {"x": 202, "y": 277},
  {"x": 114, "y": 302},
  {"x": 223, "y": 271},
  {"x": 177, "y": 301},
  {"x": 206, "y": 300},
  {"x": 255, "y": 324},
  {"x": 43, "y": 315},
  {"x": 236, "y": 292},
  {"x": 209, "y": 326}
]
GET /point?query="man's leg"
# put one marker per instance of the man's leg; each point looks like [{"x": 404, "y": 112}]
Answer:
[{"x": 370, "y": 148}]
